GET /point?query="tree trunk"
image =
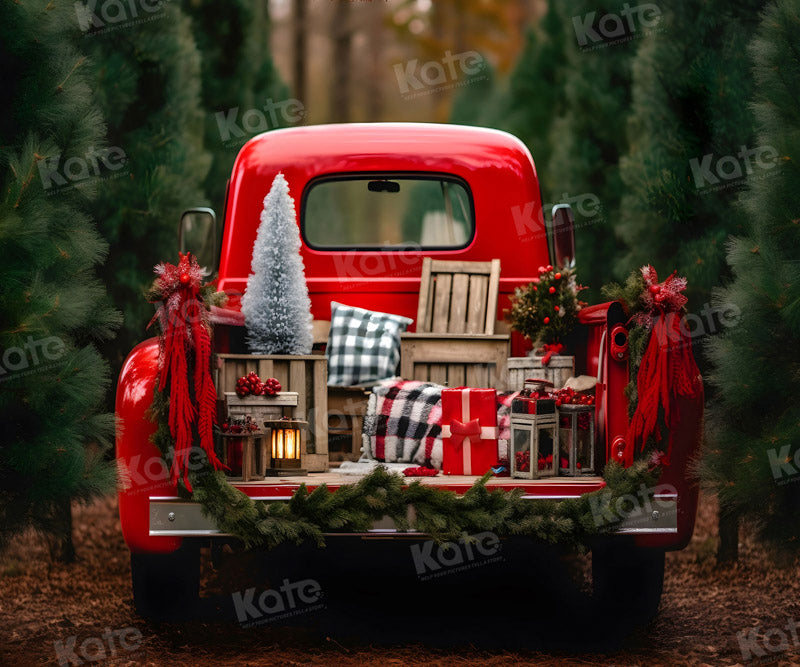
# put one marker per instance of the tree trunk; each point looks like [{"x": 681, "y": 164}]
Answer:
[
  {"x": 340, "y": 81},
  {"x": 376, "y": 41},
  {"x": 62, "y": 548},
  {"x": 299, "y": 50},
  {"x": 438, "y": 27},
  {"x": 728, "y": 551}
]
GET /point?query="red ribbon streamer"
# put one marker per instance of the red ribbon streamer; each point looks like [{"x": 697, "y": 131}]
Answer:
[
  {"x": 420, "y": 472},
  {"x": 185, "y": 327},
  {"x": 668, "y": 368}
]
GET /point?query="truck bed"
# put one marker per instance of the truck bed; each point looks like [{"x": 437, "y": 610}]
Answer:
[{"x": 282, "y": 488}]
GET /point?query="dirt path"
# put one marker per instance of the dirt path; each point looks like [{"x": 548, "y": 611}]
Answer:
[{"x": 87, "y": 608}]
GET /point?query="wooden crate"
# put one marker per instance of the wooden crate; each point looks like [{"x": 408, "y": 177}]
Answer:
[
  {"x": 455, "y": 361},
  {"x": 305, "y": 374},
  {"x": 261, "y": 408},
  {"x": 558, "y": 371}
]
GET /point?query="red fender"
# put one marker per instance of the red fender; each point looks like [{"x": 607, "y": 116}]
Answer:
[{"x": 142, "y": 470}]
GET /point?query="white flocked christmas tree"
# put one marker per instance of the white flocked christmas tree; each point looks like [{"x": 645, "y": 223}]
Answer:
[{"x": 276, "y": 306}]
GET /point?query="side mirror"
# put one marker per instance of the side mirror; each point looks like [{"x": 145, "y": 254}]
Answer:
[
  {"x": 563, "y": 235},
  {"x": 197, "y": 233}
]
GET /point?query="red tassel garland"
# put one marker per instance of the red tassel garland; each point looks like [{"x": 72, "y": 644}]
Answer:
[{"x": 185, "y": 329}]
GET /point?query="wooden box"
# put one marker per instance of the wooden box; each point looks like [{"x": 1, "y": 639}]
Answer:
[
  {"x": 305, "y": 375},
  {"x": 558, "y": 371},
  {"x": 262, "y": 407},
  {"x": 455, "y": 361}
]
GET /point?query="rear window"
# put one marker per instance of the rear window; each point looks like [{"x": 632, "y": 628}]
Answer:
[{"x": 380, "y": 211}]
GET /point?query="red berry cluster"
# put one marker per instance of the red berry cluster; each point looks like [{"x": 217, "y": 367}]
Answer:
[
  {"x": 237, "y": 426},
  {"x": 523, "y": 461},
  {"x": 569, "y": 396},
  {"x": 565, "y": 463},
  {"x": 251, "y": 384}
]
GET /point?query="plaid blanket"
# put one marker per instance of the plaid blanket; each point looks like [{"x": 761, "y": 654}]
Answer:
[{"x": 403, "y": 423}]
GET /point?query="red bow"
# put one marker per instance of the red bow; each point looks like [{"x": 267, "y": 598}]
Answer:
[
  {"x": 459, "y": 431},
  {"x": 549, "y": 349},
  {"x": 659, "y": 298}
]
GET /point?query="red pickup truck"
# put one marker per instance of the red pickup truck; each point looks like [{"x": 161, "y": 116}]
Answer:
[{"x": 371, "y": 260}]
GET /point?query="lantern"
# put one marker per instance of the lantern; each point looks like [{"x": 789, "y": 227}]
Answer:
[
  {"x": 534, "y": 432},
  {"x": 285, "y": 447},
  {"x": 242, "y": 449},
  {"x": 576, "y": 439}
]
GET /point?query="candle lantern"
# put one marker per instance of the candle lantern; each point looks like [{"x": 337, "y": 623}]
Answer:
[
  {"x": 285, "y": 447},
  {"x": 576, "y": 439},
  {"x": 534, "y": 432}
]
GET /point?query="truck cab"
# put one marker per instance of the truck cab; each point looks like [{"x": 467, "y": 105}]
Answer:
[{"x": 372, "y": 201}]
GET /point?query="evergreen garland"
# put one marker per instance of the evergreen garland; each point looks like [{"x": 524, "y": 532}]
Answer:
[{"x": 638, "y": 336}]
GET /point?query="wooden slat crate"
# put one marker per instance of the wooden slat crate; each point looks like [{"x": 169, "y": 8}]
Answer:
[
  {"x": 558, "y": 371},
  {"x": 472, "y": 361},
  {"x": 305, "y": 374},
  {"x": 261, "y": 408}
]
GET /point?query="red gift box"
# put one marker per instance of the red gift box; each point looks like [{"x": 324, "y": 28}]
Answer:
[{"x": 469, "y": 431}]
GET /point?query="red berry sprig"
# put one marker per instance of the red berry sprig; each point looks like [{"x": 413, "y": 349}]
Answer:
[{"x": 239, "y": 425}]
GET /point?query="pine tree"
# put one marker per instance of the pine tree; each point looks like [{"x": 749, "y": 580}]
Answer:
[
  {"x": 588, "y": 140},
  {"x": 691, "y": 83},
  {"x": 478, "y": 101},
  {"x": 276, "y": 305},
  {"x": 546, "y": 310},
  {"x": 536, "y": 92},
  {"x": 238, "y": 76},
  {"x": 751, "y": 457},
  {"x": 52, "y": 379},
  {"x": 147, "y": 78}
]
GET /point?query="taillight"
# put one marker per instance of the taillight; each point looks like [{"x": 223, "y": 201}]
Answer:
[
  {"x": 618, "y": 448},
  {"x": 619, "y": 342}
]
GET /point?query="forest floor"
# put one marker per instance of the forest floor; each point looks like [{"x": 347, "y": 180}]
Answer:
[{"x": 83, "y": 614}]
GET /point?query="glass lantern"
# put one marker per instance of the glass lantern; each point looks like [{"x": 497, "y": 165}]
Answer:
[
  {"x": 285, "y": 447},
  {"x": 576, "y": 439},
  {"x": 534, "y": 432}
]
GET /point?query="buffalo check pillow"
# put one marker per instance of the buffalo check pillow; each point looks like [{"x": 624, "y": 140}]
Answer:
[{"x": 363, "y": 346}]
